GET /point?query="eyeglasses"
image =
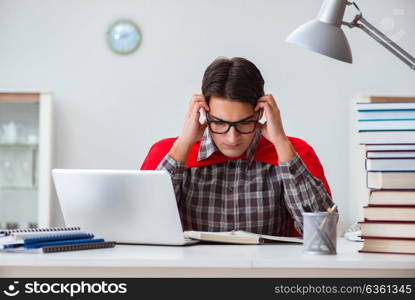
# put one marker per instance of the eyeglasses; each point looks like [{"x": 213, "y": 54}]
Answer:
[{"x": 244, "y": 126}]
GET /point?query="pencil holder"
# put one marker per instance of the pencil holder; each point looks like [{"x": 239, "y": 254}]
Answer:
[{"x": 320, "y": 232}]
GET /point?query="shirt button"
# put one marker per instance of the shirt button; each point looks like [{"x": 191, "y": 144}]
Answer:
[{"x": 230, "y": 189}]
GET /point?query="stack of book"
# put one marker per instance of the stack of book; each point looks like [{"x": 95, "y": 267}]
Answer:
[
  {"x": 48, "y": 240},
  {"x": 387, "y": 129}
]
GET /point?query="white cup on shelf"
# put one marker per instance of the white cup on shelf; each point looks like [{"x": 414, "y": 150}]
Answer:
[{"x": 10, "y": 133}]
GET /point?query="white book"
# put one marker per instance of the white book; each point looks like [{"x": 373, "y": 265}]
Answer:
[
  {"x": 386, "y": 114},
  {"x": 391, "y": 154},
  {"x": 363, "y": 106},
  {"x": 387, "y": 137},
  {"x": 403, "y": 147},
  {"x": 387, "y": 125},
  {"x": 393, "y": 164},
  {"x": 17, "y": 236}
]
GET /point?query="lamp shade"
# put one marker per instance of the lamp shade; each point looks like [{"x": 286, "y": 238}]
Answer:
[{"x": 323, "y": 38}]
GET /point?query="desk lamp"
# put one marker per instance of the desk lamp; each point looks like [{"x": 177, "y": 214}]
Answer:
[{"x": 325, "y": 36}]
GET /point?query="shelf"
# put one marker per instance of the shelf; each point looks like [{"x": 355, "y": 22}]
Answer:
[
  {"x": 20, "y": 97},
  {"x": 34, "y": 146},
  {"x": 18, "y": 188}
]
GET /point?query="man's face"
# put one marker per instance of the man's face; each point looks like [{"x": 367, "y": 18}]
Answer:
[{"x": 232, "y": 143}]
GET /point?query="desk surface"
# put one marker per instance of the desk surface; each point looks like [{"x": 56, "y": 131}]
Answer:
[{"x": 269, "y": 260}]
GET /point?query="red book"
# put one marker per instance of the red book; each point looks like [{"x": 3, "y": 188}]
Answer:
[
  {"x": 389, "y": 213},
  {"x": 392, "y": 197},
  {"x": 391, "y": 180},
  {"x": 388, "y": 245},
  {"x": 388, "y": 229}
]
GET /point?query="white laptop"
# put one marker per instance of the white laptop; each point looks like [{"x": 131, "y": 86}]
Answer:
[{"x": 119, "y": 205}]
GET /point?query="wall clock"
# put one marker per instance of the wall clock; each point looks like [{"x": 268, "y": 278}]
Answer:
[{"x": 123, "y": 37}]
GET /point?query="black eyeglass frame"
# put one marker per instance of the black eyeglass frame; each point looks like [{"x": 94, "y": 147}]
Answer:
[{"x": 230, "y": 124}]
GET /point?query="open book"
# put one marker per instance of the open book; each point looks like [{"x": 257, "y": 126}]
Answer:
[{"x": 238, "y": 237}]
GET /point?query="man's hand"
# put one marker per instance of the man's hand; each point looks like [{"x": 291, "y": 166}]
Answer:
[
  {"x": 273, "y": 130},
  {"x": 192, "y": 129}
]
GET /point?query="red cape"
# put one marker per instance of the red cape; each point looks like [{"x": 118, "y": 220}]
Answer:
[{"x": 265, "y": 153}]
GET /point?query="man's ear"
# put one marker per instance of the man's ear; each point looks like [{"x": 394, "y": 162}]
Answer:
[
  {"x": 261, "y": 113},
  {"x": 202, "y": 118}
]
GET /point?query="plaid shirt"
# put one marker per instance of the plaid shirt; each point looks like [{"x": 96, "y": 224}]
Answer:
[{"x": 244, "y": 194}]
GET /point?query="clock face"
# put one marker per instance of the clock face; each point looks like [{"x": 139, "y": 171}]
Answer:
[{"x": 123, "y": 37}]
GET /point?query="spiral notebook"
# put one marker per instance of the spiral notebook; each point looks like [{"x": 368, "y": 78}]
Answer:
[
  {"x": 63, "y": 248},
  {"x": 30, "y": 232},
  {"x": 48, "y": 240},
  {"x": 76, "y": 247},
  {"x": 17, "y": 236}
]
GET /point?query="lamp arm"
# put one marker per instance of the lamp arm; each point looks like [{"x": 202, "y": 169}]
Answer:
[
  {"x": 381, "y": 38},
  {"x": 387, "y": 43}
]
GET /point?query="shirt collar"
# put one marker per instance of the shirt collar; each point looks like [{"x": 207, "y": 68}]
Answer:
[{"x": 208, "y": 147}]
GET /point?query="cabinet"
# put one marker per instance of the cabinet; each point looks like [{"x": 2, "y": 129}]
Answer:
[{"x": 25, "y": 159}]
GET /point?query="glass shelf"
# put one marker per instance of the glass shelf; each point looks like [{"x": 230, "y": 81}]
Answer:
[
  {"x": 25, "y": 181},
  {"x": 34, "y": 146},
  {"x": 12, "y": 188}
]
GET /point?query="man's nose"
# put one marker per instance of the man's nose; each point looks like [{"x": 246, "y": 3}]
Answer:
[{"x": 232, "y": 135}]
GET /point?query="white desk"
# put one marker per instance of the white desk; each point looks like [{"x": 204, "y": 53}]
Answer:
[{"x": 208, "y": 261}]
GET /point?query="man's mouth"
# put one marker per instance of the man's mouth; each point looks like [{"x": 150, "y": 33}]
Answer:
[{"x": 231, "y": 146}]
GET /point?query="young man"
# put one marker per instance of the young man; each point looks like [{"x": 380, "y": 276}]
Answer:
[{"x": 241, "y": 175}]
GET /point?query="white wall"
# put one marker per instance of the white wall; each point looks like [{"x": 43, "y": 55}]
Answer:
[{"x": 109, "y": 109}]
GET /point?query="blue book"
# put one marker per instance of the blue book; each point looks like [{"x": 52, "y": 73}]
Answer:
[
  {"x": 62, "y": 248},
  {"x": 386, "y": 106},
  {"x": 386, "y": 124},
  {"x": 386, "y": 115},
  {"x": 75, "y": 236},
  {"x": 65, "y": 242}
]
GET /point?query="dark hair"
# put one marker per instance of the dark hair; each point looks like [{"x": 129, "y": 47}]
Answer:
[{"x": 235, "y": 79}]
